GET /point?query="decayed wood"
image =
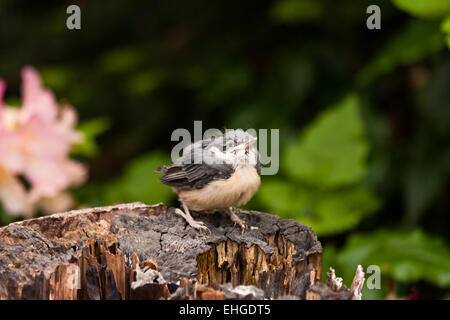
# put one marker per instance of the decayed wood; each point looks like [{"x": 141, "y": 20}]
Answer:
[
  {"x": 357, "y": 283},
  {"x": 137, "y": 251},
  {"x": 334, "y": 289}
]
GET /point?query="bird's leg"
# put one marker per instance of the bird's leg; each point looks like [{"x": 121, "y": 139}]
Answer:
[
  {"x": 199, "y": 225},
  {"x": 236, "y": 219}
]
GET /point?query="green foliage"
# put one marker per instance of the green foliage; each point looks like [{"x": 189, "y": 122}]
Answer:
[
  {"x": 329, "y": 257},
  {"x": 403, "y": 256},
  {"x": 407, "y": 256},
  {"x": 445, "y": 27},
  {"x": 91, "y": 129},
  {"x": 424, "y": 8},
  {"x": 6, "y": 218},
  {"x": 13, "y": 102},
  {"x": 145, "y": 82},
  {"x": 121, "y": 60},
  {"x": 324, "y": 169},
  {"x": 327, "y": 212},
  {"x": 332, "y": 150},
  {"x": 294, "y": 11},
  {"x": 403, "y": 49},
  {"x": 140, "y": 182},
  {"x": 56, "y": 77}
]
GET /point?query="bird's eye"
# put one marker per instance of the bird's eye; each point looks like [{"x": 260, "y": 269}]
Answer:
[{"x": 246, "y": 152}]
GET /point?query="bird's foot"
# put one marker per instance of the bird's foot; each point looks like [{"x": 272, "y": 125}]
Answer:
[
  {"x": 198, "y": 225},
  {"x": 237, "y": 220}
]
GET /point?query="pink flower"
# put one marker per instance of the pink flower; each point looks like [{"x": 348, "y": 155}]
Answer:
[{"x": 35, "y": 141}]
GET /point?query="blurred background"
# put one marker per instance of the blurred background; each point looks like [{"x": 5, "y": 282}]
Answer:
[{"x": 364, "y": 115}]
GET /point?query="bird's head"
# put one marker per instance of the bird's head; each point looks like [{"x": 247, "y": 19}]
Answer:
[
  {"x": 244, "y": 154},
  {"x": 236, "y": 148}
]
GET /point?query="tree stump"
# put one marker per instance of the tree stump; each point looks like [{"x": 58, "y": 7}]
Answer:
[{"x": 137, "y": 251}]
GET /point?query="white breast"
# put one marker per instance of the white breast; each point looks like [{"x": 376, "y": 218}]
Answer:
[{"x": 233, "y": 192}]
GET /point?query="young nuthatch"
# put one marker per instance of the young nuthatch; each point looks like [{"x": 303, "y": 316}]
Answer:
[{"x": 226, "y": 176}]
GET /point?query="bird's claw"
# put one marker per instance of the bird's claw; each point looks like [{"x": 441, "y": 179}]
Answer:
[
  {"x": 199, "y": 225},
  {"x": 237, "y": 220},
  {"x": 243, "y": 226},
  {"x": 240, "y": 223}
]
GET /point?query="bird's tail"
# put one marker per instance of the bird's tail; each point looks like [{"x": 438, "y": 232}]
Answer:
[{"x": 161, "y": 169}]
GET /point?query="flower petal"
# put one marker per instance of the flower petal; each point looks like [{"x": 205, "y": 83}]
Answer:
[
  {"x": 36, "y": 99},
  {"x": 66, "y": 125},
  {"x": 13, "y": 195},
  {"x": 41, "y": 139},
  {"x": 10, "y": 153},
  {"x": 2, "y": 92},
  {"x": 48, "y": 178}
]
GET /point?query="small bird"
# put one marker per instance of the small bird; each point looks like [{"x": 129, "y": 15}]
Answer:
[{"x": 227, "y": 175}]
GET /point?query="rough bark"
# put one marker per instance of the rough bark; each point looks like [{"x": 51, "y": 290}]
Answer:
[{"x": 137, "y": 251}]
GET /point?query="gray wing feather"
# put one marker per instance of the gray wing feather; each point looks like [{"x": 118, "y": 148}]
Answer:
[{"x": 193, "y": 176}]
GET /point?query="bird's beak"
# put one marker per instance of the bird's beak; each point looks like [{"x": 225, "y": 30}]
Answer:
[
  {"x": 251, "y": 142},
  {"x": 246, "y": 145}
]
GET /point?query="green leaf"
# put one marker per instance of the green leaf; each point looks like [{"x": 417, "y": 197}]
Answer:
[
  {"x": 6, "y": 218},
  {"x": 327, "y": 212},
  {"x": 140, "y": 182},
  {"x": 342, "y": 210},
  {"x": 445, "y": 27},
  {"x": 403, "y": 49},
  {"x": 145, "y": 82},
  {"x": 329, "y": 257},
  {"x": 121, "y": 60},
  {"x": 407, "y": 256},
  {"x": 13, "y": 102},
  {"x": 294, "y": 11},
  {"x": 91, "y": 129},
  {"x": 424, "y": 8},
  {"x": 281, "y": 197},
  {"x": 56, "y": 77},
  {"x": 331, "y": 152}
]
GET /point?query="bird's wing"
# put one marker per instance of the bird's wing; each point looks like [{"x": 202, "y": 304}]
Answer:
[
  {"x": 183, "y": 174},
  {"x": 193, "y": 176}
]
